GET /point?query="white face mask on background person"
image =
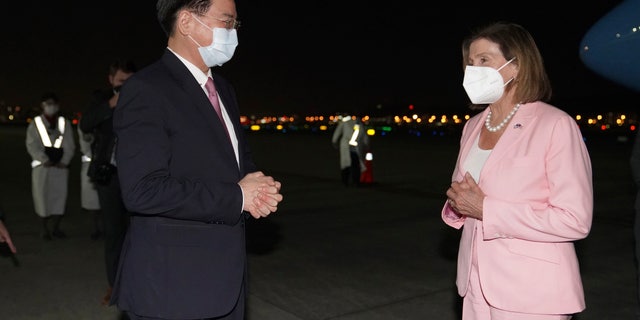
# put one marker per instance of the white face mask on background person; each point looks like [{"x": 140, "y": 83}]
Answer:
[
  {"x": 221, "y": 48},
  {"x": 484, "y": 85},
  {"x": 50, "y": 109}
]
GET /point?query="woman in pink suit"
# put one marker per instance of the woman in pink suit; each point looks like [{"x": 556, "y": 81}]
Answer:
[{"x": 522, "y": 187}]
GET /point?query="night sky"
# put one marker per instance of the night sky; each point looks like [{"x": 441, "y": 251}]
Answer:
[{"x": 303, "y": 57}]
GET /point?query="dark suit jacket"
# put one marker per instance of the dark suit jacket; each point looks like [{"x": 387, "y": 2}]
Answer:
[
  {"x": 97, "y": 120},
  {"x": 184, "y": 254}
]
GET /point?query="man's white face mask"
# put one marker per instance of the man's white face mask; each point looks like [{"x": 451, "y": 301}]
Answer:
[{"x": 221, "y": 48}]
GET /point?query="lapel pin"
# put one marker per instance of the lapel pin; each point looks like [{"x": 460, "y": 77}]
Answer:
[{"x": 517, "y": 126}]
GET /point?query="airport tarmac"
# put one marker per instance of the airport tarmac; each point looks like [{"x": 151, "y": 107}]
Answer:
[{"x": 379, "y": 252}]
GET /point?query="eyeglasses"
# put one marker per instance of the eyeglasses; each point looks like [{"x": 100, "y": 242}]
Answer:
[{"x": 228, "y": 23}]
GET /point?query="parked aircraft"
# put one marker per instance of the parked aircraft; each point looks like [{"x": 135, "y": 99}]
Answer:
[{"x": 611, "y": 47}]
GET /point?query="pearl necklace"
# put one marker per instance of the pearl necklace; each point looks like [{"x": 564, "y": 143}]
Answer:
[{"x": 487, "y": 122}]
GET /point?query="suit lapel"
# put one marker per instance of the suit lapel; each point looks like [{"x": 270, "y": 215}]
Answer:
[
  {"x": 227, "y": 100},
  {"x": 518, "y": 127},
  {"x": 199, "y": 100}
]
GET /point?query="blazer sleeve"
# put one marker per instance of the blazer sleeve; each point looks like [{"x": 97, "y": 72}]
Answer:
[{"x": 449, "y": 216}]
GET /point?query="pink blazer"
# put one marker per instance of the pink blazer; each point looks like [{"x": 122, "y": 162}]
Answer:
[{"x": 539, "y": 199}]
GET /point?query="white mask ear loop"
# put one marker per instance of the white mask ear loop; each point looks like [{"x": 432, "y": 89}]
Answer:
[
  {"x": 504, "y": 65},
  {"x": 506, "y": 83},
  {"x": 202, "y": 23},
  {"x": 194, "y": 40}
]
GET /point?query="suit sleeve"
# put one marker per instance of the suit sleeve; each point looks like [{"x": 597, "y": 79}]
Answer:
[
  {"x": 144, "y": 154},
  {"x": 97, "y": 111}
]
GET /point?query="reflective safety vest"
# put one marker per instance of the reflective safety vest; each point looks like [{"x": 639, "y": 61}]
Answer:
[
  {"x": 354, "y": 136},
  {"x": 44, "y": 136}
]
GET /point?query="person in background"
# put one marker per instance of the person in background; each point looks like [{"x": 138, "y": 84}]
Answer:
[
  {"x": 97, "y": 120},
  {"x": 5, "y": 237},
  {"x": 51, "y": 145},
  {"x": 89, "y": 200},
  {"x": 352, "y": 141},
  {"x": 187, "y": 174},
  {"x": 635, "y": 173},
  {"x": 521, "y": 189}
]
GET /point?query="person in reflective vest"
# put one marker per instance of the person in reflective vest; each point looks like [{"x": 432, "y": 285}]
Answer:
[
  {"x": 351, "y": 140},
  {"x": 50, "y": 143}
]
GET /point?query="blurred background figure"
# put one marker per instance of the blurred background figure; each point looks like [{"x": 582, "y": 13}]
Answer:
[
  {"x": 89, "y": 200},
  {"x": 50, "y": 143},
  {"x": 97, "y": 120},
  {"x": 352, "y": 142}
]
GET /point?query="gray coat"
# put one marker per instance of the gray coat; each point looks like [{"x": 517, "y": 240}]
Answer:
[
  {"x": 343, "y": 134},
  {"x": 49, "y": 184}
]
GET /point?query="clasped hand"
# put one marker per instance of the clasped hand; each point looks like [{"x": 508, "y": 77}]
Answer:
[
  {"x": 466, "y": 197},
  {"x": 261, "y": 194}
]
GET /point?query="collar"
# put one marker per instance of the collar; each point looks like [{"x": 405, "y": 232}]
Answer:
[{"x": 197, "y": 73}]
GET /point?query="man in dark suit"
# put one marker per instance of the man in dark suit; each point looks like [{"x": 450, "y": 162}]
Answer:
[
  {"x": 186, "y": 174},
  {"x": 98, "y": 120}
]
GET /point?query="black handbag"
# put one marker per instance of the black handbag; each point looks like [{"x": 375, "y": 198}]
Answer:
[
  {"x": 54, "y": 154},
  {"x": 101, "y": 173}
]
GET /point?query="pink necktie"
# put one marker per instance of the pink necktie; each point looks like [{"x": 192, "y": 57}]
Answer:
[{"x": 213, "y": 97}]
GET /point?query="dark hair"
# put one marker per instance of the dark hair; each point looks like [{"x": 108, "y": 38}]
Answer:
[
  {"x": 126, "y": 66},
  {"x": 516, "y": 42},
  {"x": 167, "y": 11},
  {"x": 49, "y": 96}
]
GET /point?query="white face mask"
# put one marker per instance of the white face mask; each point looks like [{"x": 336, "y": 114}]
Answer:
[
  {"x": 50, "y": 109},
  {"x": 221, "y": 48},
  {"x": 484, "y": 85}
]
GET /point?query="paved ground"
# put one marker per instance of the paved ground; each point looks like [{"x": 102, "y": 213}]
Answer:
[{"x": 377, "y": 252}]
